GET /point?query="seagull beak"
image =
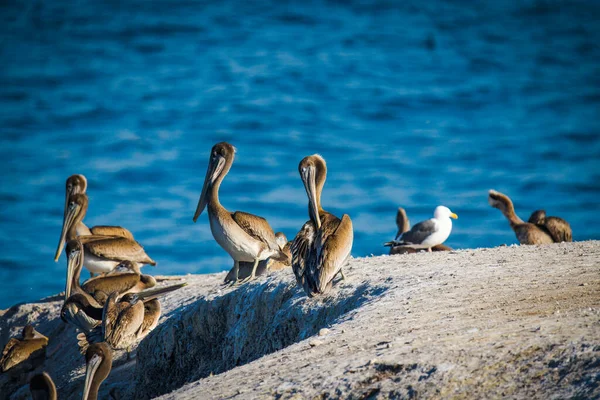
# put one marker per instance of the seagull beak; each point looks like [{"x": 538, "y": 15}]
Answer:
[{"x": 452, "y": 215}]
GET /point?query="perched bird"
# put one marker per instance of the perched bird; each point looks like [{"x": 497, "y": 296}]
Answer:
[
  {"x": 77, "y": 184},
  {"x": 322, "y": 247},
  {"x": 125, "y": 278},
  {"x": 403, "y": 224},
  {"x": 526, "y": 232},
  {"x": 98, "y": 361},
  {"x": 127, "y": 318},
  {"x": 558, "y": 228},
  {"x": 429, "y": 233},
  {"x": 245, "y": 237},
  {"x": 102, "y": 253},
  {"x": 31, "y": 346},
  {"x": 42, "y": 387}
]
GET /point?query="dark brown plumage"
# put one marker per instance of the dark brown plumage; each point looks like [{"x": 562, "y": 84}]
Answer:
[
  {"x": 322, "y": 247},
  {"x": 527, "y": 233},
  {"x": 32, "y": 344},
  {"x": 558, "y": 228}
]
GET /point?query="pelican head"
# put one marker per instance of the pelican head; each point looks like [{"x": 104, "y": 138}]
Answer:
[
  {"x": 500, "y": 201},
  {"x": 78, "y": 311},
  {"x": 538, "y": 217},
  {"x": 443, "y": 212},
  {"x": 74, "y": 264},
  {"x": 313, "y": 170},
  {"x": 75, "y": 184},
  {"x": 29, "y": 333},
  {"x": 76, "y": 209},
  {"x": 281, "y": 239},
  {"x": 221, "y": 158},
  {"x": 98, "y": 359}
]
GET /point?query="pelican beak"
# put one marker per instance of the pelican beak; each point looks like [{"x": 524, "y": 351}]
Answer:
[
  {"x": 67, "y": 222},
  {"x": 154, "y": 293},
  {"x": 308, "y": 178},
  {"x": 72, "y": 263},
  {"x": 215, "y": 167},
  {"x": 90, "y": 372},
  {"x": 452, "y": 215}
]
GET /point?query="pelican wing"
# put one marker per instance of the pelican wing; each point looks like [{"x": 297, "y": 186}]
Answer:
[
  {"x": 151, "y": 316},
  {"x": 559, "y": 229},
  {"x": 257, "y": 227},
  {"x": 118, "y": 249},
  {"x": 8, "y": 359},
  {"x": 336, "y": 248},
  {"x": 301, "y": 248},
  {"x": 419, "y": 232},
  {"x": 120, "y": 283},
  {"x": 112, "y": 231},
  {"x": 123, "y": 324}
]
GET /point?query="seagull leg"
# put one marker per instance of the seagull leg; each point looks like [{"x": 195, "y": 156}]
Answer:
[{"x": 429, "y": 249}]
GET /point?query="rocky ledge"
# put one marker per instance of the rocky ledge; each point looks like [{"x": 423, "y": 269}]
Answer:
[{"x": 518, "y": 321}]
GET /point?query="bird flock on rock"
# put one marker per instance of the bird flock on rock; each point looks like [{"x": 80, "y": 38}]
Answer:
[{"x": 118, "y": 305}]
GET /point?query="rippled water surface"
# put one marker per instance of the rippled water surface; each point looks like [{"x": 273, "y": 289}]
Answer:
[{"x": 410, "y": 104}]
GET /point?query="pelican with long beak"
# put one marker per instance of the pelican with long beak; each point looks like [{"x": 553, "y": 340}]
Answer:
[
  {"x": 526, "y": 232},
  {"x": 558, "y": 228},
  {"x": 127, "y": 318},
  {"x": 323, "y": 245},
  {"x": 102, "y": 253},
  {"x": 77, "y": 184},
  {"x": 98, "y": 360},
  {"x": 31, "y": 345},
  {"x": 245, "y": 237},
  {"x": 42, "y": 387},
  {"x": 126, "y": 278}
]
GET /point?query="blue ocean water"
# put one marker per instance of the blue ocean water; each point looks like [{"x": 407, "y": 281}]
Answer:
[{"x": 411, "y": 104}]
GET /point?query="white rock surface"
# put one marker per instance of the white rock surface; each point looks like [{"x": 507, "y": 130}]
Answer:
[{"x": 519, "y": 321}]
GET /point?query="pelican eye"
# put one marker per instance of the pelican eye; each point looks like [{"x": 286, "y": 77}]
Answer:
[{"x": 72, "y": 205}]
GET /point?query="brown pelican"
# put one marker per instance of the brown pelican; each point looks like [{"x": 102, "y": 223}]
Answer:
[
  {"x": 42, "y": 387},
  {"x": 31, "y": 345},
  {"x": 77, "y": 184},
  {"x": 558, "y": 228},
  {"x": 428, "y": 234},
  {"x": 323, "y": 245},
  {"x": 245, "y": 237},
  {"x": 126, "y": 319},
  {"x": 126, "y": 278},
  {"x": 527, "y": 233},
  {"x": 102, "y": 253},
  {"x": 98, "y": 360}
]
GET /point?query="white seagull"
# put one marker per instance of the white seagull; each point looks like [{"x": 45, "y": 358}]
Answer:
[{"x": 429, "y": 233}]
